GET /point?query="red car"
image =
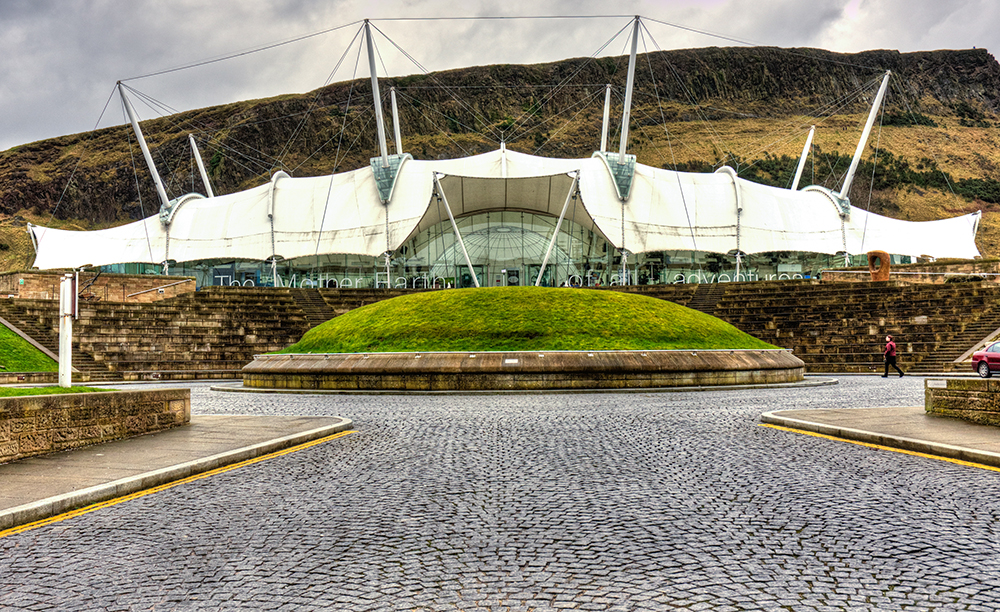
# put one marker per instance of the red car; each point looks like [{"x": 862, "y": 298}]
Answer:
[{"x": 987, "y": 360}]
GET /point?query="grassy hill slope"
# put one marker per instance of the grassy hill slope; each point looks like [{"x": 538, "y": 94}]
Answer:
[
  {"x": 521, "y": 319},
  {"x": 694, "y": 109}
]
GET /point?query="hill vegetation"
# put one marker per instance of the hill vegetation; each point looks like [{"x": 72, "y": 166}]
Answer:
[
  {"x": 935, "y": 155},
  {"x": 521, "y": 319}
]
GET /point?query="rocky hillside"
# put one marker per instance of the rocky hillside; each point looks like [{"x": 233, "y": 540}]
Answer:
[{"x": 695, "y": 109}]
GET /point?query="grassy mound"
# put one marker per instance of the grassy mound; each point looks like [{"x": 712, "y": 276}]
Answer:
[
  {"x": 521, "y": 319},
  {"x": 21, "y": 391},
  {"x": 17, "y": 355}
]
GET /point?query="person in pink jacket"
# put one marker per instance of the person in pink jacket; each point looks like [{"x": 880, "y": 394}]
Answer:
[{"x": 890, "y": 357}]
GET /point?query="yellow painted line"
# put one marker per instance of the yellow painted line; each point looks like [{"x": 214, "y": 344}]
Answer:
[
  {"x": 111, "y": 502},
  {"x": 880, "y": 447}
]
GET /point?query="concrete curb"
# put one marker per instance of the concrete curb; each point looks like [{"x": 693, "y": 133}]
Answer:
[
  {"x": 817, "y": 381},
  {"x": 522, "y": 370},
  {"x": 962, "y": 374},
  {"x": 52, "y": 506},
  {"x": 937, "y": 449}
]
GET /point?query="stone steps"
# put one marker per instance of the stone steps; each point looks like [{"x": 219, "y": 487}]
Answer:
[
  {"x": 215, "y": 330},
  {"x": 317, "y": 310},
  {"x": 831, "y": 326},
  {"x": 821, "y": 322}
]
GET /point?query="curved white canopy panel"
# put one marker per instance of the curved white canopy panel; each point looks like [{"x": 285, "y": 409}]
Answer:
[
  {"x": 775, "y": 219},
  {"x": 288, "y": 217},
  {"x": 504, "y": 180},
  {"x": 954, "y": 237},
  {"x": 55, "y": 248},
  {"x": 226, "y": 226},
  {"x": 665, "y": 210},
  {"x": 670, "y": 210},
  {"x": 342, "y": 213},
  {"x": 504, "y": 163}
]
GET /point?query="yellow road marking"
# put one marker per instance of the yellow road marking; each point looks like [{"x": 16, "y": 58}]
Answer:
[
  {"x": 111, "y": 502},
  {"x": 880, "y": 447}
]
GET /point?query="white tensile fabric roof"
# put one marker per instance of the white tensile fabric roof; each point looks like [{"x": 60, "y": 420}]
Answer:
[{"x": 666, "y": 210}]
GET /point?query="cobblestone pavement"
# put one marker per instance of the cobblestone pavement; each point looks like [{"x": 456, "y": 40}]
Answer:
[{"x": 540, "y": 502}]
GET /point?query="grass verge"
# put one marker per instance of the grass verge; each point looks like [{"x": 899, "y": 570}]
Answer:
[
  {"x": 18, "y": 355},
  {"x": 522, "y": 319}
]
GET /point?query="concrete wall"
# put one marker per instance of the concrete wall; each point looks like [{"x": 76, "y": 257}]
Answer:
[
  {"x": 971, "y": 399},
  {"x": 522, "y": 370},
  {"x": 44, "y": 285},
  {"x": 40, "y": 424}
]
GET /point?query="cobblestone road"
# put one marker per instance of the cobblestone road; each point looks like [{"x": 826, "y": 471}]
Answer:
[{"x": 540, "y": 502}]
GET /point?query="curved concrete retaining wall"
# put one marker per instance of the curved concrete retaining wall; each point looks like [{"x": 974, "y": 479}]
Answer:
[
  {"x": 39, "y": 424},
  {"x": 521, "y": 370}
]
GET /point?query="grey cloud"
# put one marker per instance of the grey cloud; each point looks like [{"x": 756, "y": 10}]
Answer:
[{"x": 59, "y": 60}]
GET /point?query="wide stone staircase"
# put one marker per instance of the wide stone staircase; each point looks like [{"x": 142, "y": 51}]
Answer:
[
  {"x": 211, "y": 333},
  {"x": 973, "y": 336},
  {"x": 832, "y": 327},
  {"x": 31, "y": 318},
  {"x": 841, "y": 327}
]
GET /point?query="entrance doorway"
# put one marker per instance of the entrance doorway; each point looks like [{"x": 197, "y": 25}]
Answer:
[{"x": 507, "y": 277}]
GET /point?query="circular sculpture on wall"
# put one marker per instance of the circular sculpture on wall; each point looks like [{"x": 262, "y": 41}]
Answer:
[{"x": 878, "y": 265}]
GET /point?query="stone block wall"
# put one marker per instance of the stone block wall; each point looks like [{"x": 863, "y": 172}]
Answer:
[
  {"x": 126, "y": 288},
  {"x": 30, "y": 378},
  {"x": 522, "y": 371},
  {"x": 970, "y": 399},
  {"x": 40, "y": 424}
]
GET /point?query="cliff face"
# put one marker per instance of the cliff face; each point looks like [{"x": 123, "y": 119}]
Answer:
[{"x": 461, "y": 112}]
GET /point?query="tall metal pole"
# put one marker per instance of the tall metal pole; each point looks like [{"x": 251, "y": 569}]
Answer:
[
  {"x": 395, "y": 122},
  {"x": 607, "y": 119},
  {"x": 864, "y": 136},
  {"x": 201, "y": 166},
  {"x": 379, "y": 119},
  {"x": 628, "y": 91},
  {"x": 160, "y": 191},
  {"x": 802, "y": 159}
]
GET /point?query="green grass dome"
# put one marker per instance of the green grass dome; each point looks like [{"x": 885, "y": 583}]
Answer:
[{"x": 522, "y": 319}]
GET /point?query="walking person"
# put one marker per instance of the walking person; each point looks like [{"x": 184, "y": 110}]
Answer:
[{"x": 890, "y": 357}]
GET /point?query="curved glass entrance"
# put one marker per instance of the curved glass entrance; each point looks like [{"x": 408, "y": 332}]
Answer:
[{"x": 505, "y": 255}]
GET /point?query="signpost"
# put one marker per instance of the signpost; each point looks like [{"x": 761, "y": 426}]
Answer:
[{"x": 68, "y": 305}]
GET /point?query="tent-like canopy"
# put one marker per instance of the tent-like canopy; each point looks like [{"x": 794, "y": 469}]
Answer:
[{"x": 342, "y": 213}]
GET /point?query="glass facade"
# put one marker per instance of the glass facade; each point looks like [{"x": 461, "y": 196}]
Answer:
[{"x": 506, "y": 248}]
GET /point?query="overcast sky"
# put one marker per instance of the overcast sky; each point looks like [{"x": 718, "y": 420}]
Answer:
[{"x": 60, "y": 59}]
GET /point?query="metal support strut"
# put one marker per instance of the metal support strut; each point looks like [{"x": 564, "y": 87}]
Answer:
[
  {"x": 555, "y": 235},
  {"x": 454, "y": 227}
]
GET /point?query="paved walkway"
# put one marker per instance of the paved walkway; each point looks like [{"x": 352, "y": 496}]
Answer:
[
  {"x": 39, "y": 487},
  {"x": 905, "y": 428},
  {"x": 632, "y": 502}
]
